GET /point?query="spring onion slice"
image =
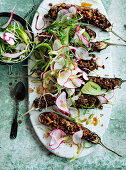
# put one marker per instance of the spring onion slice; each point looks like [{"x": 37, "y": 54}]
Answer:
[{"x": 92, "y": 89}]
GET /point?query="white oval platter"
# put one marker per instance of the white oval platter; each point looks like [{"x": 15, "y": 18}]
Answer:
[{"x": 65, "y": 150}]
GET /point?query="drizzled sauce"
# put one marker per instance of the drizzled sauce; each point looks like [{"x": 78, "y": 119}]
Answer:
[
  {"x": 85, "y": 4},
  {"x": 95, "y": 121}
]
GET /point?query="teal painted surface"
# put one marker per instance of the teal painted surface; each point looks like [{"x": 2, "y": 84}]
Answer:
[{"x": 26, "y": 151}]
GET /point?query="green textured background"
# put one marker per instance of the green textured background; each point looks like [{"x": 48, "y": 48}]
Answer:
[{"x": 26, "y": 151}]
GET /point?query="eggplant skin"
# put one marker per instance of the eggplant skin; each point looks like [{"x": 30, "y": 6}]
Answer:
[
  {"x": 56, "y": 121},
  {"x": 89, "y": 15}
]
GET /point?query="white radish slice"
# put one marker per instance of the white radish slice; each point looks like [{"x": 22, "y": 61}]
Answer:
[
  {"x": 63, "y": 76},
  {"x": 77, "y": 82},
  {"x": 40, "y": 23},
  {"x": 66, "y": 17},
  {"x": 85, "y": 76},
  {"x": 69, "y": 85},
  {"x": 61, "y": 102},
  {"x": 57, "y": 45},
  {"x": 57, "y": 137},
  {"x": 73, "y": 10},
  {"x": 99, "y": 62},
  {"x": 81, "y": 53},
  {"x": 84, "y": 41},
  {"x": 20, "y": 46},
  {"x": 76, "y": 38},
  {"x": 102, "y": 99},
  {"x": 70, "y": 92},
  {"x": 8, "y": 36},
  {"x": 59, "y": 64},
  {"x": 77, "y": 137},
  {"x": 61, "y": 13},
  {"x": 14, "y": 55},
  {"x": 10, "y": 19},
  {"x": 75, "y": 71},
  {"x": 78, "y": 28},
  {"x": 11, "y": 42}
]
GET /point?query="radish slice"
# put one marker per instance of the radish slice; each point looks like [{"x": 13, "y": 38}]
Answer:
[
  {"x": 61, "y": 13},
  {"x": 99, "y": 62},
  {"x": 14, "y": 55},
  {"x": 10, "y": 19},
  {"x": 102, "y": 99},
  {"x": 70, "y": 92},
  {"x": 20, "y": 46},
  {"x": 69, "y": 84},
  {"x": 8, "y": 36},
  {"x": 61, "y": 102},
  {"x": 63, "y": 76},
  {"x": 73, "y": 10},
  {"x": 57, "y": 137},
  {"x": 77, "y": 82},
  {"x": 77, "y": 137},
  {"x": 40, "y": 23},
  {"x": 66, "y": 17},
  {"x": 41, "y": 75},
  {"x": 75, "y": 71},
  {"x": 57, "y": 45},
  {"x": 2, "y": 35},
  {"x": 73, "y": 99},
  {"x": 78, "y": 28},
  {"x": 81, "y": 53},
  {"x": 85, "y": 76},
  {"x": 84, "y": 41},
  {"x": 60, "y": 63},
  {"x": 11, "y": 41}
]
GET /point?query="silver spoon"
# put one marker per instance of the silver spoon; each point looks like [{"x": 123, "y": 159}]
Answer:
[{"x": 19, "y": 93}]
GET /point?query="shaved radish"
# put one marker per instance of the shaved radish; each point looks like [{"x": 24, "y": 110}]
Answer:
[
  {"x": 59, "y": 64},
  {"x": 40, "y": 23},
  {"x": 78, "y": 28},
  {"x": 8, "y": 36},
  {"x": 57, "y": 45},
  {"x": 81, "y": 53},
  {"x": 73, "y": 10},
  {"x": 61, "y": 102},
  {"x": 76, "y": 70},
  {"x": 46, "y": 79},
  {"x": 102, "y": 99},
  {"x": 66, "y": 17},
  {"x": 99, "y": 62},
  {"x": 72, "y": 48},
  {"x": 10, "y": 19},
  {"x": 85, "y": 76},
  {"x": 63, "y": 76},
  {"x": 61, "y": 13},
  {"x": 2, "y": 35},
  {"x": 14, "y": 55},
  {"x": 84, "y": 41},
  {"x": 70, "y": 92},
  {"x": 41, "y": 75},
  {"x": 69, "y": 84},
  {"x": 77, "y": 82},
  {"x": 57, "y": 137},
  {"x": 77, "y": 137},
  {"x": 20, "y": 46}
]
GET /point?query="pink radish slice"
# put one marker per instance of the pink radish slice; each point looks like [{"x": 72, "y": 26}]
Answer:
[
  {"x": 102, "y": 99},
  {"x": 59, "y": 64},
  {"x": 69, "y": 84},
  {"x": 61, "y": 102},
  {"x": 99, "y": 62},
  {"x": 61, "y": 13},
  {"x": 77, "y": 137},
  {"x": 8, "y": 36},
  {"x": 78, "y": 28},
  {"x": 14, "y": 55},
  {"x": 66, "y": 17},
  {"x": 57, "y": 45},
  {"x": 72, "y": 48},
  {"x": 76, "y": 38},
  {"x": 76, "y": 70},
  {"x": 70, "y": 92},
  {"x": 2, "y": 35},
  {"x": 85, "y": 76},
  {"x": 10, "y": 42},
  {"x": 84, "y": 41},
  {"x": 10, "y": 19},
  {"x": 20, "y": 46},
  {"x": 41, "y": 75},
  {"x": 81, "y": 53},
  {"x": 63, "y": 76},
  {"x": 57, "y": 137},
  {"x": 73, "y": 10},
  {"x": 40, "y": 23},
  {"x": 77, "y": 82}
]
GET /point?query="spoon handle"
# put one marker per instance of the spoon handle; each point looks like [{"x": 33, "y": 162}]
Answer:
[{"x": 14, "y": 126}]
